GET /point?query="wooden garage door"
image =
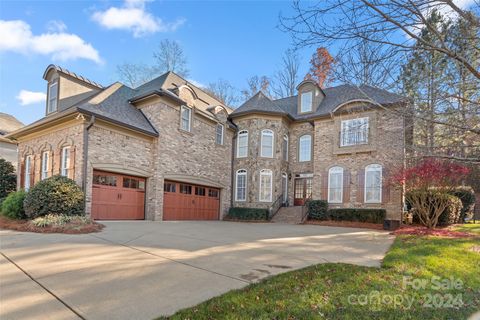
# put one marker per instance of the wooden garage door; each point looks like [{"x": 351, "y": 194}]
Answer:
[
  {"x": 117, "y": 197},
  {"x": 183, "y": 201}
]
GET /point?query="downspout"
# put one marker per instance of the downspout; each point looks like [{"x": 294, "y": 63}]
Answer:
[{"x": 85, "y": 158}]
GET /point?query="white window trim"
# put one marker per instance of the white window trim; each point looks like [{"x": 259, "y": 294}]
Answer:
[
  {"x": 216, "y": 133},
  {"x": 285, "y": 155},
  {"x": 373, "y": 167},
  {"x": 28, "y": 165},
  {"x": 45, "y": 162},
  {"x": 342, "y": 131},
  {"x": 265, "y": 172},
  {"x": 300, "y": 150},
  {"x": 332, "y": 170},
  {"x": 240, "y": 172},
  {"x": 49, "y": 97},
  {"x": 243, "y": 133},
  {"x": 189, "y": 118},
  {"x": 65, "y": 166},
  {"x": 302, "y": 109},
  {"x": 266, "y": 132}
]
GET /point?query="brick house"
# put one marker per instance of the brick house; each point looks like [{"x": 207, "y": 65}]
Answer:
[{"x": 167, "y": 150}]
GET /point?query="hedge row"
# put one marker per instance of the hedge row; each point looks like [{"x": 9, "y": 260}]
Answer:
[
  {"x": 247, "y": 214},
  {"x": 318, "y": 210}
]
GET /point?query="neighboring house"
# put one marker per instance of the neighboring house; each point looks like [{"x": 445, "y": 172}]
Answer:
[
  {"x": 169, "y": 151},
  {"x": 8, "y": 149}
]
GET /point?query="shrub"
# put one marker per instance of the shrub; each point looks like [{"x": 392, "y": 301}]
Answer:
[
  {"x": 55, "y": 195},
  {"x": 357, "y": 214},
  {"x": 467, "y": 196},
  {"x": 59, "y": 220},
  {"x": 247, "y": 213},
  {"x": 452, "y": 213},
  {"x": 12, "y": 206},
  {"x": 317, "y": 209},
  {"x": 447, "y": 206},
  {"x": 8, "y": 179}
]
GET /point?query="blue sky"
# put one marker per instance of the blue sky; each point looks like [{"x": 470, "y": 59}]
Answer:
[{"x": 230, "y": 40}]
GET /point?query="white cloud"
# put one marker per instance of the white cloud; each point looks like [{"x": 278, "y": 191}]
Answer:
[
  {"x": 29, "y": 97},
  {"x": 132, "y": 16},
  {"x": 18, "y": 37},
  {"x": 56, "y": 26}
]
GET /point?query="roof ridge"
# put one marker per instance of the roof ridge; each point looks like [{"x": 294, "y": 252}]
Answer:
[{"x": 72, "y": 74}]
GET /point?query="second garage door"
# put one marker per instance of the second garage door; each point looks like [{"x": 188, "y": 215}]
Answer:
[{"x": 183, "y": 201}]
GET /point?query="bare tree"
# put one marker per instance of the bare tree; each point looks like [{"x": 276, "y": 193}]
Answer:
[
  {"x": 170, "y": 57},
  {"x": 134, "y": 74},
  {"x": 256, "y": 84},
  {"x": 223, "y": 91},
  {"x": 286, "y": 79}
]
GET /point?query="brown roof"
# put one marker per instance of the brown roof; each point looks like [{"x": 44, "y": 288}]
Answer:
[{"x": 8, "y": 123}]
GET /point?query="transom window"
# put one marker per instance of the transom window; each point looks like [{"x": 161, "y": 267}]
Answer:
[
  {"x": 28, "y": 172},
  {"x": 65, "y": 161},
  {"x": 105, "y": 180},
  {"x": 242, "y": 144},
  {"x": 305, "y": 148},
  {"x": 45, "y": 156},
  {"x": 52, "y": 97},
  {"x": 354, "y": 132},
  {"x": 219, "y": 134},
  {"x": 285, "y": 147},
  {"x": 185, "y": 188},
  {"x": 133, "y": 183},
  {"x": 199, "y": 191},
  {"x": 267, "y": 144},
  {"x": 213, "y": 193},
  {"x": 169, "y": 187},
  {"x": 373, "y": 183},
  {"x": 186, "y": 118},
  {"x": 306, "y": 101},
  {"x": 335, "y": 185},
  {"x": 241, "y": 185},
  {"x": 265, "y": 186}
]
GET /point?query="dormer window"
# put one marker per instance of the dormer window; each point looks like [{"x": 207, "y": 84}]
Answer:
[
  {"x": 52, "y": 97},
  {"x": 306, "y": 102}
]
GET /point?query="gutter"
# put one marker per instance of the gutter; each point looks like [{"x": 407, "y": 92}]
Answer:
[{"x": 85, "y": 158}]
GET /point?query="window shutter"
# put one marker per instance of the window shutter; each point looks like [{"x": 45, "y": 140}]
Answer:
[
  {"x": 36, "y": 168},
  {"x": 57, "y": 164},
  {"x": 361, "y": 186},
  {"x": 22, "y": 173},
  {"x": 325, "y": 186},
  {"x": 385, "y": 186},
  {"x": 71, "y": 169},
  {"x": 50, "y": 159},
  {"x": 346, "y": 186},
  {"x": 33, "y": 163}
]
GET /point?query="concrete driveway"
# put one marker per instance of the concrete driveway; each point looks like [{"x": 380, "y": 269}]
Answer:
[{"x": 144, "y": 269}]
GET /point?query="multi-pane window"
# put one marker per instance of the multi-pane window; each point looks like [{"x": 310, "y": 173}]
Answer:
[
  {"x": 219, "y": 134},
  {"x": 306, "y": 101},
  {"x": 265, "y": 186},
  {"x": 213, "y": 193},
  {"x": 65, "y": 161},
  {"x": 52, "y": 97},
  {"x": 241, "y": 185},
  {"x": 285, "y": 148},
  {"x": 105, "y": 180},
  {"x": 45, "y": 165},
  {"x": 305, "y": 148},
  {"x": 169, "y": 187},
  {"x": 199, "y": 191},
  {"x": 335, "y": 185},
  {"x": 266, "y": 149},
  {"x": 133, "y": 183},
  {"x": 373, "y": 183},
  {"x": 242, "y": 144},
  {"x": 186, "y": 118},
  {"x": 28, "y": 172},
  {"x": 185, "y": 188},
  {"x": 354, "y": 131}
]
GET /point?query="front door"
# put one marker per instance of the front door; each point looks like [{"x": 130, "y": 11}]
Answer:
[{"x": 303, "y": 191}]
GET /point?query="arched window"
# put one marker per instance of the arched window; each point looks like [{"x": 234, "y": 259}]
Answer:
[
  {"x": 265, "y": 185},
  {"x": 266, "y": 144},
  {"x": 373, "y": 183},
  {"x": 241, "y": 185},
  {"x": 306, "y": 101},
  {"x": 242, "y": 144},
  {"x": 45, "y": 164},
  {"x": 305, "y": 148},
  {"x": 65, "y": 162},
  {"x": 335, "y": 185},
  {"x": 285, "y": 148}
]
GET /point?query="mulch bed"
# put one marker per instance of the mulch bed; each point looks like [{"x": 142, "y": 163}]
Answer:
[
  {"x": 437, "y": 232},
  {"x": 346, "y": 224},
  {"x": 69, "y": 228}
]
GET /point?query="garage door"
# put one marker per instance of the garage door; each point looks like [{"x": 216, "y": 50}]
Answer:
[
  {"x": 117, "y": 197},
  {"x": 183, "y": 201}
]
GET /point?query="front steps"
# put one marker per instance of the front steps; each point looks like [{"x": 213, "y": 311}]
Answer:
[{"x": 291, "y": 215}]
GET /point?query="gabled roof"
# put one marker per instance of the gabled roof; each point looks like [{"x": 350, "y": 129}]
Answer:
[
  {"x": 70, "y": 73},
  {"x": 334, "y": 98}
]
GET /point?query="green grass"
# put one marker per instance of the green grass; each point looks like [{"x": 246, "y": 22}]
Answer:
[
  {"x": 469, "y": 227},
  {"x": 322, "y": 291}
]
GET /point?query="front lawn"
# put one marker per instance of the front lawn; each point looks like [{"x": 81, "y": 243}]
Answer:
[{"x": 421, "y": 278}]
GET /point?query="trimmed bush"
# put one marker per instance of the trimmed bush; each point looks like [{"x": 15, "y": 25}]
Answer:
[
  {"x": 247, "y": 213},
  {"x": 8, "y": 178},
  {"x": 467, "y": 196},
  {"x": 12, "y": 206},
  {"x": 59, "y": 220},
  {"x": 357, "y": 214},
  {"x": 317, "y": 209},
  {"x": 452, "y": 213},
  {"x": 55, "y": 195}
]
